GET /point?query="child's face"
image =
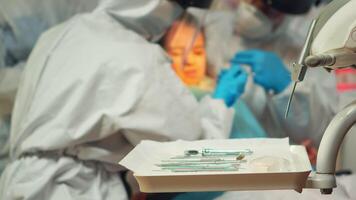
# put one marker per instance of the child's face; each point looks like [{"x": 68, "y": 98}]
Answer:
[{"x": 189, "y": 64}]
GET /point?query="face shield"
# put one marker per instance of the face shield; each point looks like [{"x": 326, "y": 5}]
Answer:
[{"x": 185, "y": 44}]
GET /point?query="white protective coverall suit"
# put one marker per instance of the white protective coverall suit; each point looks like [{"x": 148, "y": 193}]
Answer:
[
  {"x": 21, "y": 24},
  {"x": 93, "y": 87}
]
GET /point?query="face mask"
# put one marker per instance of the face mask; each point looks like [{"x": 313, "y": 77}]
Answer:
[{"x": 251, "y": 23}]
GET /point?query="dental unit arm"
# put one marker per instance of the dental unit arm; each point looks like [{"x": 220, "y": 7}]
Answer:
[{"x": 331, "y": 43}]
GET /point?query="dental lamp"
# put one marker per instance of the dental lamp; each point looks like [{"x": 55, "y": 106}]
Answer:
[{"x": 331, "y": 44}]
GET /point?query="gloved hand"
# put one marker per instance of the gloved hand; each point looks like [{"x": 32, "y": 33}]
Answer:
[
  {"x": 268, "y": 68},
  {"x": 231, "y": 84}
]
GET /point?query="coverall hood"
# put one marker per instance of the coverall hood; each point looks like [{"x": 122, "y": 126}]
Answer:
[{"x": 149, "y": 18}]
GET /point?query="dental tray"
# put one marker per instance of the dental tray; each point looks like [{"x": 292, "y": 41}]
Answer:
[{"x": 143, "y": 159}]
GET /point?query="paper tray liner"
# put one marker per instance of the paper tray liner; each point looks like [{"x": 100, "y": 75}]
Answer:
[{"x": 229, "y": 182}]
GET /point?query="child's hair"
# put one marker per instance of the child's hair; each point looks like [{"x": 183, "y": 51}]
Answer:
[{"x": 188, "y": 19}]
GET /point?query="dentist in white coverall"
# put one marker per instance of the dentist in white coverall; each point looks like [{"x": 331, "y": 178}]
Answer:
[
  {"x": 94, "y": 87},
  {"x": 21, "y": 24}
]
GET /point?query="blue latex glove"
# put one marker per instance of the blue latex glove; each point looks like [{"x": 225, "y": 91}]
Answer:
[
  {"x": 268, "y": 68},
  {"x": 231, "y": 84}
]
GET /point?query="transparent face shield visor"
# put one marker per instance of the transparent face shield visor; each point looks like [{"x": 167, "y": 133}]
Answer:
[
  {"x": 198, "y": 28},
  {"x": 187, "y": 32},
  {"x": 193, "y": 19}
]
